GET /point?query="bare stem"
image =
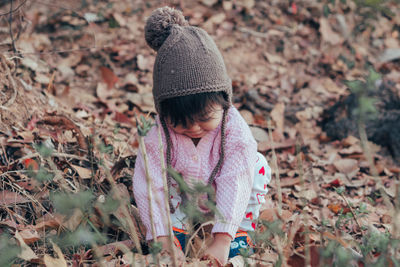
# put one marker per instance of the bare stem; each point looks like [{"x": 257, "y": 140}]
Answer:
[
  {"x": 166, "y": 199},
  {"x": 149, "y": 187},
  {"x": 303, "y": 211},
  {"x": 10, "y": 20},
  {"x": 352, "y": 211},
  {"x": 276, "y": 169}
]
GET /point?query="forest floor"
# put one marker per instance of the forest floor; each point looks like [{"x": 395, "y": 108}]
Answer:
[{"x": 76, "y": 73}]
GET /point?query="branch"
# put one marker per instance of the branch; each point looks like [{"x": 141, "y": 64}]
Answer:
[{"x": 13, "y": 10}]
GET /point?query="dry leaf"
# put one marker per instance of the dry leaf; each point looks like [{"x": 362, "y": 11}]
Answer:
[
  {"x": 103, "y": 92},
  {"x": 11, "y": 198},
  {"x": 349, "y": 167},
  {"x": 84, "y": 173},
  {"x": 259, "y": 134},
  {"x": 26, "y": 252},
  {"x": 55, "y": 262},
  {"x": 328, "y": 35},
  {"x": 278, "y": 116},
  {"x": 209, "y": 3},
  {"x": 29, "y": 235},
  {"x": 108, "y": 77}
]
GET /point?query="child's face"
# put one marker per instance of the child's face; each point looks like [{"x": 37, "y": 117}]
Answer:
[{"x": 200, "y": 128}]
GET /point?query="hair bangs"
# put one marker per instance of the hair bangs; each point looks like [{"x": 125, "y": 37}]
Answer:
[{"x": 185, "y": 110}]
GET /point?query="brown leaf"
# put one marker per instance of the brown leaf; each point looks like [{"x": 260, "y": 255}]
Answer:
[
  {"x": 84, "y": 173},
  {"x": 108, "y": 77},
  {"x": 55, "y": 262},
  {"x": 277, "y": 115},
  {"x": 328, "y": 35},
  {"x": 349, "y": 167},
  {"x": 336, "y": 208},
  {"x": 11, "y": 198},
  {"x": 29, "y": 235},
  {"x": 47, "y": 223},
  {"x": 296, "y": 260},
  {"x": 272, "y": 214},
  {"x": 288, "y": 182},
  {"x": 103, "y": 92},
  {"x": 26, "y": 252},
  {"x": 259, "y": 134}
]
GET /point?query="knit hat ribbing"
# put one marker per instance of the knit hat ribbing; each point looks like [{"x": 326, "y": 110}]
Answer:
[{"x": 188, "y": 60}]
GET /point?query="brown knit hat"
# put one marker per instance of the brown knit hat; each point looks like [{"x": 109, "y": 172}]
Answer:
[{"x": 188, "y": 60}]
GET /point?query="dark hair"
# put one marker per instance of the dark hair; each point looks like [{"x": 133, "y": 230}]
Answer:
[{"x": 184, "y": 110}]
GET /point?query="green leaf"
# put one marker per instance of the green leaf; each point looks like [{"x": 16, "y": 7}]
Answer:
[
  {"x": 340, "y": 190},
  {"x": 356, "y": 86},
  {"x": 43, "y": 150},
  {"x": 155, "y": 248},
  {"x": 42, "y": 175},
  {"x": 373, "y": 77},
  {"x": 8, "y": 251},
  {"x": 144, "y": 126},
  {"x": 326, "y": 10},
  {"x": 82, "y": 236},
  {"x": 66, "y": 203}
]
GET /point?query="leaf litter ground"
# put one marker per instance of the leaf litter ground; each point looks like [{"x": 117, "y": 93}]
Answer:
[{"x": 83, "y": 75}]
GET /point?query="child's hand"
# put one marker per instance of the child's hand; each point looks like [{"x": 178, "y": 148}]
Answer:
[
  {"x": 180, "y": 256},
  {"x": 219, "y": 248}
]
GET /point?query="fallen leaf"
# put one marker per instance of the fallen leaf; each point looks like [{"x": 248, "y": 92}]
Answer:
[
  {"x": 11, "y": 198},
  {"x": 84, "y": 173},
  {"x": 349, "y": 167},
  {"x": 328, "y": 35},
  {"x": 108, "y": 77},
  {"x": 29, "y": 235},
  {"x": 389, "y": 55},
  {"x": 278, "y": 116},
  {"x": 55, "y": 262},
  {"x": 209, "y": 3},
  {"x": 336, "y": 208},
  {"x": 259, "y": 134},
  {"x": 26, "y": 252},
  {"x": 272, "y": 214},
  {"x": 47, "y": 223}
]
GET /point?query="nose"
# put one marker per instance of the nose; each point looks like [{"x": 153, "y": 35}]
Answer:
[{"x": 194, "y": 127}]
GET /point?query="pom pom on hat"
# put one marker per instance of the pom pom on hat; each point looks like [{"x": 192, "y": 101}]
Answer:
[{"x": 158, "y": 25}]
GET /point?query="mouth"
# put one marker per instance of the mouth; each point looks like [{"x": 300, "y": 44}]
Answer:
[{"x": 195, "y": 134}]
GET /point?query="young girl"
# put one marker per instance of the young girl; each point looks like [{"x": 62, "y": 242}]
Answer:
[{"x": 205, "y": 137}]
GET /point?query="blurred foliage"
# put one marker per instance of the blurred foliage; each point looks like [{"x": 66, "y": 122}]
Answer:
[
  {"x": 8, "y": 250},
  {"x": 66, "y": 203}
]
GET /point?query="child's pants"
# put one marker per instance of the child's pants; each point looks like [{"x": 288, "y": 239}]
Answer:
[{"x": 262, "y": 177}]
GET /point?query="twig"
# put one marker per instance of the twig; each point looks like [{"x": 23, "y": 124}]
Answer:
[
  {"x": 195, "y": 233},
  {"x": 23, "y": 192},
  {"x": 10, "y": 27},
  {"x": 149, "y": 187},
  {"x": 275, "y": 166},
  {"x": 255, "y": 33},
  {"x": 13, "y": 10},
  {"x": 12, "y": 82},
  {"x": 352, "y": 211},
  {"x": 303, "y": 211},
  {"x": 35, "y": 155},
  {"x": 166, "y": 199},
  {"x": 68, "y": 124}
]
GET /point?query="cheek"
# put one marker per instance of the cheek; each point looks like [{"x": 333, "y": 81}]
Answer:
[
  {"x": 178, "y": 129},
  {"x": 211, "y": 125}
]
